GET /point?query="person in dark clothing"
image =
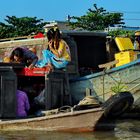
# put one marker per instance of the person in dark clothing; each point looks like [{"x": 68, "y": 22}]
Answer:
[
  {"x": 23, "y": 55},
  {"x": 137, "y": 40}
]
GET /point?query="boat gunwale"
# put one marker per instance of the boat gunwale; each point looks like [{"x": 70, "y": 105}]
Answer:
[
  {"x": 67, "y": 114},
  {"x": 94, "y": 75}
]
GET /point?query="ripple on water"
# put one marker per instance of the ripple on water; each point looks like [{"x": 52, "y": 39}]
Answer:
[{"x": 124, "y": 130}]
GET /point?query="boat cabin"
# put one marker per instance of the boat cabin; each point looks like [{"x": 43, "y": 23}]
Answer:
[{"x": 88, "y": 50}]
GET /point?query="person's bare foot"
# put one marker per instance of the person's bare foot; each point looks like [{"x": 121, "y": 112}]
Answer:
[{"x": 50, "y": 67}]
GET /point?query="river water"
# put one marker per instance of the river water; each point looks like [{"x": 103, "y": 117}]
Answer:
[{"x": 124, "y": 130}]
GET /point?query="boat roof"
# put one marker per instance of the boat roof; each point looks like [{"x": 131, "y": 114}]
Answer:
[{"x": 84, "y": 33}]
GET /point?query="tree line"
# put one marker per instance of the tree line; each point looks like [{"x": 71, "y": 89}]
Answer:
[{"x": 93, "y": 20}]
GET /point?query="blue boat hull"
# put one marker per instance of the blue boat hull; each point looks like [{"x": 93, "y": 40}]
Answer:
[{"x": 100, "y": 84}]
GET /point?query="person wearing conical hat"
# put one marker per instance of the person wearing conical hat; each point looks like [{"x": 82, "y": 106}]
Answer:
[{"x": 137, "y": 40}]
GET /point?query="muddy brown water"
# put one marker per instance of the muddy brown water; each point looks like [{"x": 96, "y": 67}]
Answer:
[{"x": 124, "y": 130}]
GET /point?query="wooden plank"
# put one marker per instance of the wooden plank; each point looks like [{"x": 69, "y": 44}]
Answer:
[
  {"x": 16, "y": 38},
  {"x": 11, "y": 44},
  {"x": 109, "y": 64}
]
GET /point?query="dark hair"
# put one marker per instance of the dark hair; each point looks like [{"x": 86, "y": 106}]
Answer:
[
  {"x": 17, "y": 52},
  {"x": 50, "y": 34},
  {"x": 137, "y": 38},
  {"x": 53, "y": 33},
  {"x": 57, "y": 33}
]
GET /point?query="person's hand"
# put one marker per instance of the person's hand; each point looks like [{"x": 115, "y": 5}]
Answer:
[
  {"x": 50, "y": 43},
  {"x": 31, "y": 66}
]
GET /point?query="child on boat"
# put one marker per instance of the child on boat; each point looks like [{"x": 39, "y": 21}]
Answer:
[
  {"x": 58, "y": 54},
  {"x": 23, "y": 55}
]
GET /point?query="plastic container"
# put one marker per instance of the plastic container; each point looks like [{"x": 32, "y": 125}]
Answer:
[
  {"x": 125, "y": 57},
  {"x": 124, "y": 43}
]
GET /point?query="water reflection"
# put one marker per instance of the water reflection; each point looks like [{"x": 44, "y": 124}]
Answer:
[
  {"x": 37, "y": 135},
  {"x": 128, "y": 130}
]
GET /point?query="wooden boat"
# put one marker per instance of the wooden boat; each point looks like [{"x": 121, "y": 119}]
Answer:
[
  {"x": 80, "y": 118},
  {"x": 123, "y": 77},
  {"x": 83, "y": 117},
  {"x": 75, "y": 121},
  {"x": 62, "y": 87},
  {"x": 100, "y": 84},
  {"x": 88, "y": 118},
  {"x": 59, "y": 79}
]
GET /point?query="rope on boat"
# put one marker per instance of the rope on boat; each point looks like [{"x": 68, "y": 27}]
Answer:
[
  {"x": 86, "y": 103},
  {"x": 118, "y": 81},
  {"x": 128, "y": 83},
  {"x": 89, "y": 100},
  {"x": 104, "y": 72},
  {"x": 63, "y": 109}
]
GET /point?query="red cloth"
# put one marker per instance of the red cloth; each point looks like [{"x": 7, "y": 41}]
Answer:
[
  {"x": 34, "y": 71},
  {"x": 39, "y": 35}
]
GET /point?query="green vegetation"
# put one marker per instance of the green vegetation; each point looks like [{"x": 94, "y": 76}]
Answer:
[
  {"x": 96, "y": 19},
  {"x": 23, "y": 26},
  {"x": 119, "y": 87},
  {"x": 123, "y": 33}
]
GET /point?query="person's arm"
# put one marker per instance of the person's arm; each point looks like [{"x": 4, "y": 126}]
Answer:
[
  {"x": 33, "y": 62},
  {"x": 61, "y": 48},
  {"x": 27, "y": 105},
  {"x": 55, "y": 52},
  {"x": 31, "y": 56}
]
